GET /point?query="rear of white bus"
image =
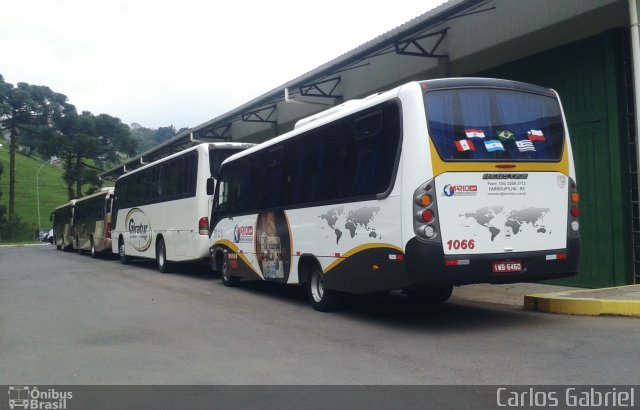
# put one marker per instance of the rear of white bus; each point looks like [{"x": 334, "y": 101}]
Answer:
[{"x": 502, "y": 205}]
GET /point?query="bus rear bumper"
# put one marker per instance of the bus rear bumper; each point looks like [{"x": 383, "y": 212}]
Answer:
[{"x": 428, "y": 266}]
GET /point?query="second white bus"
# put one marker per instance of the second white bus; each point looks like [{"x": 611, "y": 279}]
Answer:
[
  {"x": 431, "y": 185},
  {"x": 161, "y": 209},
  {"x": 92, "y": 222}
]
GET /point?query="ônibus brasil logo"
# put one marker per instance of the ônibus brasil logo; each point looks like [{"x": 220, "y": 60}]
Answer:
[
  {"x": 25, "y": 397},
  {"x": 460, "y": 190}
]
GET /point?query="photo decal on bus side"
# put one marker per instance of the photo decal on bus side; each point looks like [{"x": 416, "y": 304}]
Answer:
[
  {"x": 273, "y": 245},
  {"x": 138, "y": 229}
]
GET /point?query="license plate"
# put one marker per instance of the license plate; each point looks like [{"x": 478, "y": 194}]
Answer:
[{"x": 507, "y": 267}]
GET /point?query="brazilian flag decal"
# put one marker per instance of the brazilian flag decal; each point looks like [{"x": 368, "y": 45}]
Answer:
[{"x": 505, "y": 135}]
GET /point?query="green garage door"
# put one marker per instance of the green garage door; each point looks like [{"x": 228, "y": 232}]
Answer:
[{"x": 588, "y": 75}]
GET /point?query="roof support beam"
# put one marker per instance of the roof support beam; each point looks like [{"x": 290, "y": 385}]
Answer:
[
  {"x": 324, "y": 88},
  {"x": 417, "y": 46},
  {"x": 264, "y": 114},
  {"x": 215, "y": 132}
]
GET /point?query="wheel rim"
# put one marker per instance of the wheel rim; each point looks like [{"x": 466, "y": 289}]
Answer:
[
  {"x": 121, "y": 249},
  {"x": 317, "y": 287}
]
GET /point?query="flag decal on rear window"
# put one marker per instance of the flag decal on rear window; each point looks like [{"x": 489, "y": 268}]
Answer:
[
  {"x": 465, "y": 145},
  {"x": 535, "y": 135},
  {"x": 505, "y": 135},
  {"x": 493, "y": 145},
  {"x": 525, "y": 145},
  {"x": 474, "y": 133}
]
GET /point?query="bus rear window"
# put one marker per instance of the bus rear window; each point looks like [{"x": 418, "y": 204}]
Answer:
[
  {"x": 485, "y": 124},
  {"x": 217, "y": 157}
]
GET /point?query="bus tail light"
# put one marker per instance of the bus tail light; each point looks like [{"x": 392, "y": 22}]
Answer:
[
  {"x": 574, "y": 210},
  {"x": 203, "y": 226},
  {"x": 108, "y": 231},
  {"x": 425, "y": 224},
  {"x": 575, "y": 197},
  {"x": 425, "y": 200}
]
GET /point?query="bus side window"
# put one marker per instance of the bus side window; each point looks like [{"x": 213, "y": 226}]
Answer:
[
  {"x": 273, "y": 179},
  {"x": 348, "y": 159},
  {"x": 367, "y": 139},
  {"x": 161, "y": 183},
  {"x": 323, "y": 167}
]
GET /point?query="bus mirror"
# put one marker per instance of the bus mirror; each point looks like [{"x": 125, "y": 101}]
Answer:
[{"x": 211, "y": 186}]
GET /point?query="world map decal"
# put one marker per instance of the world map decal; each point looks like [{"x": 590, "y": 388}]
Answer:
[
  {"x": 513, "y": 222},
  {"x": 354, "y": 221}
]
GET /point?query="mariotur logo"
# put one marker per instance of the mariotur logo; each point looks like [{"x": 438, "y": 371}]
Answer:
[
  {"x": 460, "y": 190},
  {"x": 25, "y": 397}
]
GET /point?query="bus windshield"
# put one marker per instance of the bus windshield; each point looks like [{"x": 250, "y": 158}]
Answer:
[{"x": 491, "y": 124}]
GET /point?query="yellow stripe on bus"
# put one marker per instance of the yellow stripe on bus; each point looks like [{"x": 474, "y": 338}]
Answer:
[{"x": 234, "y": 248}]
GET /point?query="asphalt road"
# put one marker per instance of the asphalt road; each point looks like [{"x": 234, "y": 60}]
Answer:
[{"x": 68, "y": 319}]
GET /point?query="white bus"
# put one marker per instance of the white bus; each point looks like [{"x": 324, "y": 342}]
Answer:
[
  {"x": 161, "y": 209},
  {"x": 431, "y": 185},
  {"x": 92, "y": 222}
]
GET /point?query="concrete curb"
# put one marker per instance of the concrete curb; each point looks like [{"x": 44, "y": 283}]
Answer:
[
  {"x": 621, "y": 301},
  {"x": 22, "y": 245}
]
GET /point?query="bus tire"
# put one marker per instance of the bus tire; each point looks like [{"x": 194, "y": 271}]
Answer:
[
  {"x": 429, "y": 296},
  {"x": 77, "y": 245},
  {"x": 124, "y": 259},
  {"x": 161, "y": 256},
  {"x": 93, "y": 248},
  {"x": 228, "y": 280},
  {"x": 321, "y": 299}
]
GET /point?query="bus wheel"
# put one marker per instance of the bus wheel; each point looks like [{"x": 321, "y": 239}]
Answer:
[
  {"x": 228, "y": 279},
  {"x": 429, "y": 296},
  {"x": 321, "y": 299},
  {"x": 124, "y": 259},
  {"x": 161, "y": 256},
  {"x": 93, "y": 249}
]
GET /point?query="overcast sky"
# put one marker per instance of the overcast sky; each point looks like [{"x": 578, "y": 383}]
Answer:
[{"x": 182, "y": 62}]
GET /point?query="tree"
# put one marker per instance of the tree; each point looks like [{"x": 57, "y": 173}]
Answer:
[
  {"x": 143, "y": 137},
  {"x": 84, "y": 137},
  {"x": 26, "y": 109},
  {"x": 148, "y": 138},
  {"x": 163, "y": 134}
]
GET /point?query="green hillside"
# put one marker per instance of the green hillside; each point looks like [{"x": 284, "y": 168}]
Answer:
[{"x": 52, "y": 190}]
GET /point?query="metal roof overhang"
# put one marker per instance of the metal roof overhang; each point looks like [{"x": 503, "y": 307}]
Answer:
[{"x": 401, "y": 40}]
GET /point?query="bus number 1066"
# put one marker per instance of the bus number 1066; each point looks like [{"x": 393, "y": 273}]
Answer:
[{"x": 463, "y": 244}]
